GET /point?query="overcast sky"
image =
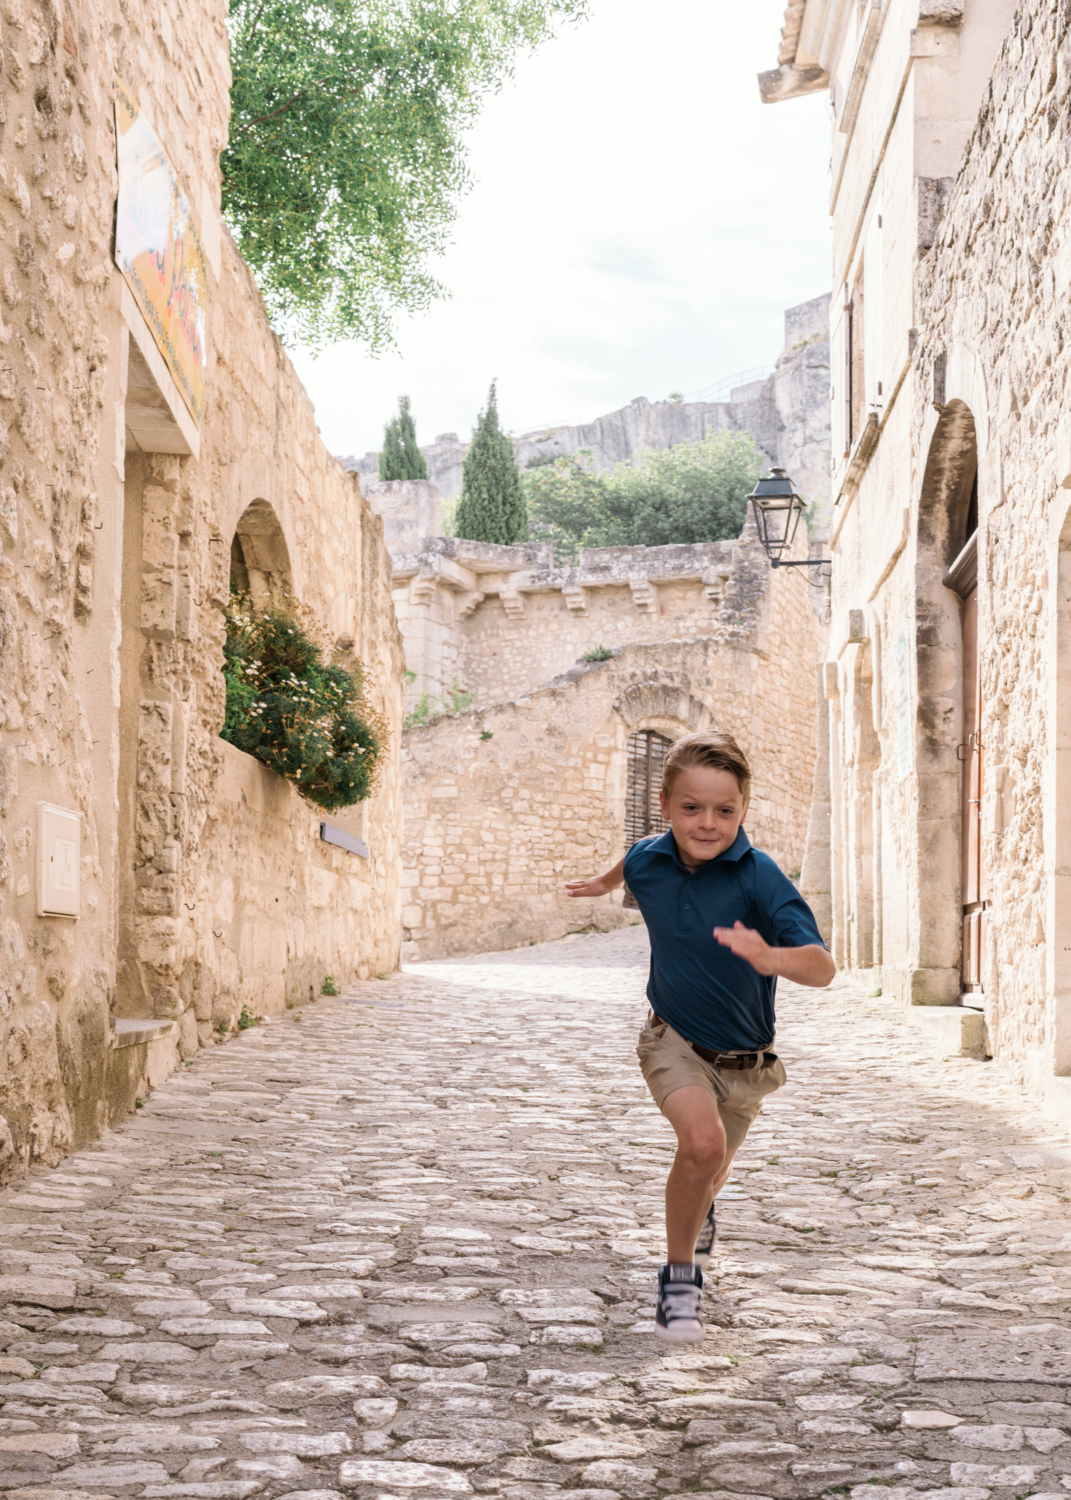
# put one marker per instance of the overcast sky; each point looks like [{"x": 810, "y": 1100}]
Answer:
[{"x": 638, "y": 225}]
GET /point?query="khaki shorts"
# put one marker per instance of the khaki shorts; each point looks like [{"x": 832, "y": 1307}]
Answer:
[{"x": 668, "y": 1062}]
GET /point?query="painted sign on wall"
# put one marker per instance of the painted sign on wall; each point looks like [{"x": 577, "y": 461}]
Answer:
[{"x": 158, "y": 250}]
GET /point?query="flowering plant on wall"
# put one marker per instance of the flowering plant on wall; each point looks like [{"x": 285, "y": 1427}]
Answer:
[{"x": 306, "y": 718}]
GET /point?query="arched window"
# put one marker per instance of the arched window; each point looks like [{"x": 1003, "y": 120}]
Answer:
[
  {"x": 643, "y": 814},
  {"x": 260, "y": 558}
]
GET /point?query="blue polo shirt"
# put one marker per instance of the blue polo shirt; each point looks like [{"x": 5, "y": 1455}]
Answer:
[{"x": 702, "y": 989}]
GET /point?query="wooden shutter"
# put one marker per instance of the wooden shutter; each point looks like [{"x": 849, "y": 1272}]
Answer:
[{"x": 643, "y": 813}]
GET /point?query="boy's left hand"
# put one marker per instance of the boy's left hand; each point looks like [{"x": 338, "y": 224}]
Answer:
[{"x": 748, "y": 944}]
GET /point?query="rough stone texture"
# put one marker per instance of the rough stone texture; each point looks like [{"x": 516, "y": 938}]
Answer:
[
  {"x": 499, "y": 621},
  {"x": 503, "y": 803},
  {"x": 378, "y": 1228},
  {"x": 787, "y": 414},
  {"x": 993, "y": 298},
  {"x": 948, "y": 225},
  {"x": 113, "y": 570}
]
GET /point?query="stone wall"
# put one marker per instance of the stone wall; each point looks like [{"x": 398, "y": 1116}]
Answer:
[
  {"x": 506, "y": 802},
  {"x": 112, "y": 576},
  {"x": 499, "y": 621},
  {"x": 995, "y": 320},
  {"x": 787, "y": 414}
]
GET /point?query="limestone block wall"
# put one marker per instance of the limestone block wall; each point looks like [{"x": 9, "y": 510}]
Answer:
[
  {"x": 113, "y": 570},
  {"x": 994, "y": 312},
  {"x": 500, "y": 621},
  {"x": 506, "y": 802}
]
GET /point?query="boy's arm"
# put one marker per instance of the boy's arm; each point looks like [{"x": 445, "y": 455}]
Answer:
[
  {"x": 600, "y": 885},
  {"x": 810, "y": 964}
]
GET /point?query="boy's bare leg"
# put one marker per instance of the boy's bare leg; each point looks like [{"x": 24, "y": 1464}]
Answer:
[{"x": 699, "y": 1169}]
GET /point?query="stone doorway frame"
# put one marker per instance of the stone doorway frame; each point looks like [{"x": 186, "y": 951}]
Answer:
[{"x": 953, "y": 461}]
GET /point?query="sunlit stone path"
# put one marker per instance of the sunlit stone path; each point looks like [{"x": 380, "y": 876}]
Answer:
[{"x": 403, "y": 1243}]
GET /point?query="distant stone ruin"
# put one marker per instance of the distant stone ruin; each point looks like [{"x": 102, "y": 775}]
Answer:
[{"x": 787, "y": 414}]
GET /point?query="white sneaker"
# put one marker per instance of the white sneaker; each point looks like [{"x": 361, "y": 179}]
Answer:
[{"x": 680, "y": 1294}]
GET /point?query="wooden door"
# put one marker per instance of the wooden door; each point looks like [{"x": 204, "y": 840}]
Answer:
[
  {"x": 643, "y": 813},
  {"x": 972, "y": 762}
]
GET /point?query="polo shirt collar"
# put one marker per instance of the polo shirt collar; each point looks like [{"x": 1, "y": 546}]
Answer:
[{"x": 665, "y": 843}]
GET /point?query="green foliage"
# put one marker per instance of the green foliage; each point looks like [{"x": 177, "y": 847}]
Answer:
[
  {"x": 303, "y": 717},
  {"x": 347, "y": 151},
  {"x": 565, "y": 503},
  {"x": 694, "y": 492},
  {"x": 401, "y": 458},
  {"x": 597, "y": 653},
  {"x": 247, "y": 1019},
  {"x": 491, "y": 508},
  {"x": 453, "y": 702},
  {"x": 329, "y": 987}
]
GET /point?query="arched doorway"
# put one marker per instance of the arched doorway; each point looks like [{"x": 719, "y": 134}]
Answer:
[
  {"x": 962, "y": 578},
  {"x": 643, "y": 812},
  {"x": 948, "y": 742}
]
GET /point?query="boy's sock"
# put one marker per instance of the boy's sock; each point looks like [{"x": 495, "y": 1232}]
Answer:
[
  {"x": 680, "y": 1293},
  {"x": 704, "y": 1245}
]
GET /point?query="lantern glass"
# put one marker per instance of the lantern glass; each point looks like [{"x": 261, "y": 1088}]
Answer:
[{"x": 777, "y": 509}]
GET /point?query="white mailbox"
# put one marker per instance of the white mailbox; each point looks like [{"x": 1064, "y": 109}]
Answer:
[{"x": 59, "y": 856}]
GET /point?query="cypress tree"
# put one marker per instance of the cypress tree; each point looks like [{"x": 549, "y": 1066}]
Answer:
[
  {"x": 492, "y": 507},
  {"x": 401, "y": 458}
]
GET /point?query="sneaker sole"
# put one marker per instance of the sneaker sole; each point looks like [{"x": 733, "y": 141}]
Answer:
[{"x": 680, "y": 1334}]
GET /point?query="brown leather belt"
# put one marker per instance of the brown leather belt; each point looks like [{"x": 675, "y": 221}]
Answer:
[{"x": 738, "y": 1060}]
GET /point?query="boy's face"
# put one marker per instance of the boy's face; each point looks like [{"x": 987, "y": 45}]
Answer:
[{"x": 705, "y": 809}]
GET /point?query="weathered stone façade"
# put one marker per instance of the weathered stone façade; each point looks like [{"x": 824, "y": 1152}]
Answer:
[
  {"x": 507, "y": 801},
  {"x": 993, "y": 305},
  {"x": 199, "y": 868}
]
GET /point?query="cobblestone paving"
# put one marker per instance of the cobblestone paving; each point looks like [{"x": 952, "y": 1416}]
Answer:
[{"x": 403, "y": 1244}]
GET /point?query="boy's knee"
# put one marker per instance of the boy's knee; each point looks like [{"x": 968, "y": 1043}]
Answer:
[{"x": 705, "y": 1152}]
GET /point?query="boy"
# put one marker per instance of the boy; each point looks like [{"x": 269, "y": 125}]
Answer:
[{"x": 724, "y": 922}]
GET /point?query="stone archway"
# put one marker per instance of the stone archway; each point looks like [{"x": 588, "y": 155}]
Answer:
[
  {"x": 652, "y": 704},
  {"x": 260, "y": 558}
]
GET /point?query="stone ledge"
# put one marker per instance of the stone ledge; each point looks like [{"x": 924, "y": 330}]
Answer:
[
  {"x": 958, "y": 1030},
  {"x": 135, "y": 1033}
]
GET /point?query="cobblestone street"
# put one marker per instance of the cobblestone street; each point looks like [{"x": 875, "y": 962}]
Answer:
[{"x": 405, "y": 1242}]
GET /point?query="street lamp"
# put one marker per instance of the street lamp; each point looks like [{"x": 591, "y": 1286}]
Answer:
[{"x": 777, "y": 510}]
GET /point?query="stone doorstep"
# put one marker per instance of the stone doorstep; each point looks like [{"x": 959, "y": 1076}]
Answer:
[
  {"x": 956, "y": 1030},
  {"x": 134, "y": 1033}
]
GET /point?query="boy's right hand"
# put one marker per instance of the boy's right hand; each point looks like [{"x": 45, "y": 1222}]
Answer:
[{"x": 599, "y": 885}]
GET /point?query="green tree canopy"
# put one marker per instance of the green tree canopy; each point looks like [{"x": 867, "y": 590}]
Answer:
[
  {"x": 347, "y": 152},
  {"x": 492, "y": 507},
  {"x": 694, "y": 492},
  {"x": 401, "y": 458}
]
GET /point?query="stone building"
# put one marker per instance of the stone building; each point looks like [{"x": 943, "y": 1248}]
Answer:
[
  {"x": 153, "y": 880},
  {"x": 786, "y": 412},
  {"x": 555, "y": 769},
  {"x": 946, "y": 678}
]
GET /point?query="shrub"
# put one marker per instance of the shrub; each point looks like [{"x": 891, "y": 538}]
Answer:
[
  {"x": 693, "y": 492},
  {"x": 597, "y": 653},
  {"x": 303, "y": 717},
  {"x": 329, "y": 987},
  {"x": 453, "y": 702}
]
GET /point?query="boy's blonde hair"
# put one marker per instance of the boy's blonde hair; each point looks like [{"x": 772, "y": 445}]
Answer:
[{"x": 710, "y": 748}]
